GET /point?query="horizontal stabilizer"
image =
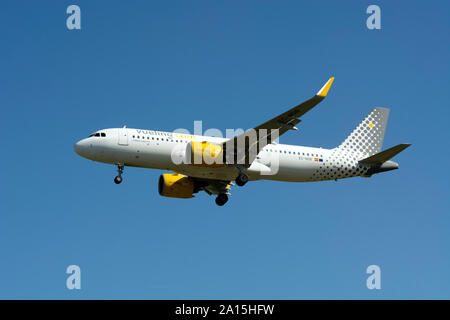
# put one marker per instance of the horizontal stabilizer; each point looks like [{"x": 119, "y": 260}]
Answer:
[{"x": 385, "y": 155}]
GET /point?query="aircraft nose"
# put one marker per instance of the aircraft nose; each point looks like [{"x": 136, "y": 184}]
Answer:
[{"x": 81, "y": 148}]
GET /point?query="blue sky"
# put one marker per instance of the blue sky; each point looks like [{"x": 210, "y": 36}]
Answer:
[{"x": 232, "y": 64}]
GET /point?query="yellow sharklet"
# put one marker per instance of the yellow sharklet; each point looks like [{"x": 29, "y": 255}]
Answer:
[{"x": 324, "y": 91}]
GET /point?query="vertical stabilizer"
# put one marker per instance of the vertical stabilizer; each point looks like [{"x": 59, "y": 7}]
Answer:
[{"x": 367, "y": 138}]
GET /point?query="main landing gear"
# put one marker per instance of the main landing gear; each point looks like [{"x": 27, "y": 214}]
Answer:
[
  {"x": 241, "y": 179},
  {"x": 221, "y": 199},
  {"x": 119, "y": 179}
]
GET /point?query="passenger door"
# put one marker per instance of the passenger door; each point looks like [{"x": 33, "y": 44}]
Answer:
[{"x": 123, "y": 136}]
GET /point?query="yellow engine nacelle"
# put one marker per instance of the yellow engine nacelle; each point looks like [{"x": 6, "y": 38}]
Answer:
[
  {"x": 204, "y": 154},
  {"x": 175, "y": 186}
]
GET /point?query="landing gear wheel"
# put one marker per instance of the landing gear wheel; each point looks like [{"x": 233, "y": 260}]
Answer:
[
  {"x": 118, "y": 179},
  {"x": 221, "y": 199},
  {"x": 241, "y": 179}
]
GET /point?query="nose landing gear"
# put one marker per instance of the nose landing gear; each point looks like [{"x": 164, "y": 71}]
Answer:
[{"x": 118, "y": 179}]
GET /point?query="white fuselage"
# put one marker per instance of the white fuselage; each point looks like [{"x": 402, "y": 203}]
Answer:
[{"x": 164, "y": 150}]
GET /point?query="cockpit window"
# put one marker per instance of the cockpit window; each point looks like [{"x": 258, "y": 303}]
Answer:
[{"x": 98, "y": 134}]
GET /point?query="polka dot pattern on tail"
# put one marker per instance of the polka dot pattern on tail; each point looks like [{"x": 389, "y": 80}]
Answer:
[{"x": 367, "y": 138}]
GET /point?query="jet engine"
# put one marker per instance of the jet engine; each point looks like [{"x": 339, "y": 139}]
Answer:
[
  {"x": 204, "y": 154},
  {"x": 175, "y": 186}
]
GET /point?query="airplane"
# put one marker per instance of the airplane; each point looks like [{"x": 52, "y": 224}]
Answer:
[{"x": 211, "y": 164}]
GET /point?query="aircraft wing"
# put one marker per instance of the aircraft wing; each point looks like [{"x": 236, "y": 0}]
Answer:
[{"x": 265, "y": 133}]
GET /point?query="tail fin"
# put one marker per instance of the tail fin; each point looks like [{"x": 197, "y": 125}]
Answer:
[
  {"x": 385, "y": 155},
  {"x": 367, "y": 138}
]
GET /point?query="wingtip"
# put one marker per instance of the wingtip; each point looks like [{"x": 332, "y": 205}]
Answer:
[{"x": 324, "y": 90}]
